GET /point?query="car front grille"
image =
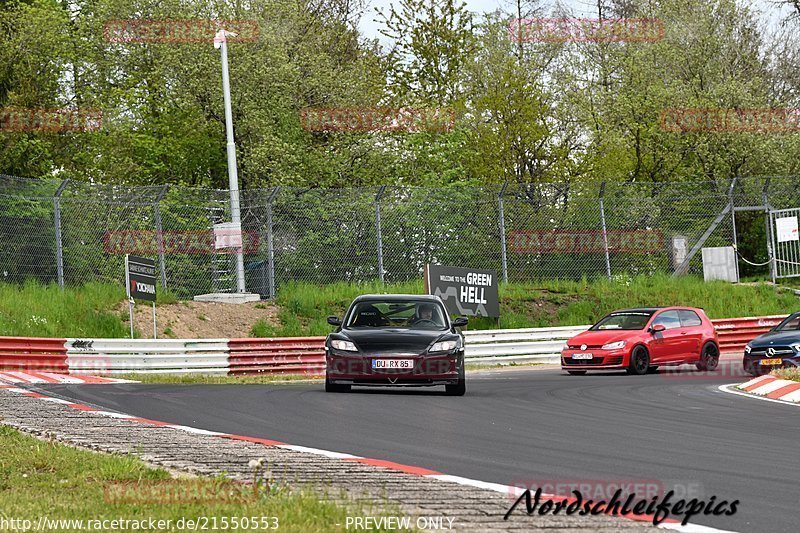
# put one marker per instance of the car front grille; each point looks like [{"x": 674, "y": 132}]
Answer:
[
  {"x": 596, "y": 361},
  {"x": 588, "y": 346},
  {"x": 780, "y": 351}
]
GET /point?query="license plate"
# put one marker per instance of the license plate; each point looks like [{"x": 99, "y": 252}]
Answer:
[
  {"x": 771, "y": 362},
  {"x": 582, "y": 356},
  {"x": 393, "y": 364}
]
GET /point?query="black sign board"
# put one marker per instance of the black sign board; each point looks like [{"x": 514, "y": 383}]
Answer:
[
  {"x": 465, "y": 291},
  {"x": 140, "y": 278}
]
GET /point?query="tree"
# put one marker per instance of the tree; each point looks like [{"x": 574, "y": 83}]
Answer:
[{"x": 433, "y": 42}]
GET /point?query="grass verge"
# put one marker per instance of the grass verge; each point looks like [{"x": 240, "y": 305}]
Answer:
[
  {"x": 792, "y": 374},
  {"x": 304, "y": 307},
  {"x": 45, "y": 310},
  {"x": 35, "y": 310},
  {"x": 42, "y": 478}
]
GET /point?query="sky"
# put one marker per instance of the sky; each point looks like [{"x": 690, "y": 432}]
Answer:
[{"x": 581, "y": 8}]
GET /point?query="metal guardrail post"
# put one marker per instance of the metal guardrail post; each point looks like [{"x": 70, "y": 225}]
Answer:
[
  {"x": 603, "y": 225},
  {"x": 502, "y": 214},
  {"x": 57, "y": 221},
  {"x": 378, "y": 230},
  {"x": 160, "y": 234},
  {"x": 270, "y": 245}
]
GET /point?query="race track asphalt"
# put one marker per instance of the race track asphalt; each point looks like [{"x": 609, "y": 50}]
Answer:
[{"x": 523, "y": 426}]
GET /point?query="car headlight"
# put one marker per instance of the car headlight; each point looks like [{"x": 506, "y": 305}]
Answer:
[
  {"x": 346, "y": 346},
  {"x": 444, "y": 346},
  {"x": 614, "y": 345},
  {"x": 795, "y": 347},
  {"x": 748, "y": 349},
  {"x": 565, "y": 347}
]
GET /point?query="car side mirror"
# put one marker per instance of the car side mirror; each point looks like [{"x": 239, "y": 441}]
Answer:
[
  {"x": 460, "y": 322},
  {"x": 334, "y": 321},
  {"x": 658, "y": 328}
]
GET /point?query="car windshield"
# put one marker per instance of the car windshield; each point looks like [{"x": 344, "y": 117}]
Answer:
[
  {"x": 422, "y": 314},
  {"x": 629, "y": 320},
  {"x": 790, "y": 323}
]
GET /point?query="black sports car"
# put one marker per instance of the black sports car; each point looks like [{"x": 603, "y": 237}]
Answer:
[
  {"x": 780, "y": 347},
  {"x": 395, "y": 339}
]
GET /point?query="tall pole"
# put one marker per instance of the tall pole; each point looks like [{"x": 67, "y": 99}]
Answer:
[
  {"x": 270, "y": 244},
  {"x": 771, "y": 250},
  {"x": 502, "y": 219},
  {"x": 603, "y": 226},
  {"x": 733, "y": 224},
  {"x": 221, "y": 41},
  {"x": 160, "y": 236},
  {"x": 59, "y": 243},
  {"x": 378, "y": 234}
]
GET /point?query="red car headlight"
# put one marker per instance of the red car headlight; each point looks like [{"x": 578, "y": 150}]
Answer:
[{"x": 614, "y": 345}]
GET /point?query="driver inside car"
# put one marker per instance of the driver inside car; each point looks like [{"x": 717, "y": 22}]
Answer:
[{"x": 424, "y": 316}]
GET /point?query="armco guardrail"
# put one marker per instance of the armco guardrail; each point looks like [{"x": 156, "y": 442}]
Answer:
[
  {"x": 169, "y": 356},
  {"x": 735, "y": 333},
  {"x": 508, "y": 345},
  {"x": 293, "y": 354},
  {"x": 31, "y": 353},
  {"x": 282, "y": 355}
]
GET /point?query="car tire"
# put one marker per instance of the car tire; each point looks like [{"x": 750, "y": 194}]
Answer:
[
  {"x": 459, "y": 388},
  {"x": 640, "y": 362},
  {"x": 709, "y": 357},
  {"x": 576, "y": 372},
  {"x": 335, "y": 387}
]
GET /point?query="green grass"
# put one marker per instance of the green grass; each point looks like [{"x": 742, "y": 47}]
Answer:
[
  {"x": 261, "y": 329},
  {"x": 304, "y": 307},
  {"x": 35, "y": 310},
  {"x": 45, "y": 310},
  {"x": 792, "y": 374},
  {"x": 165, "y": 297},
  {"x": 43, "y": 478},
  {"x": 581, "y": 302}
]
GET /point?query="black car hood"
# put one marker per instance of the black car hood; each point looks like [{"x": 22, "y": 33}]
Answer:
[
  {"x": 776, "y": 338},
  {"x": 393, "y": 340}
]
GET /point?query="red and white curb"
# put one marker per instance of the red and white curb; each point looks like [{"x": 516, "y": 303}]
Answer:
[
  {"x": 768, "y": 388},
  {"x": 38, "y": 378},
  {"x": 397, "y": 467}
]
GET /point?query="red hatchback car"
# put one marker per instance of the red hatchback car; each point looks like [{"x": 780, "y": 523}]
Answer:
[{"x": 641, "y": 340}]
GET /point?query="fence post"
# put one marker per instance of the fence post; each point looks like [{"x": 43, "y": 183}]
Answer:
[
  {"x": 270, "y": 246},
  {"x": 733, "y": 223},
  {"x": 59, "y": 244},
  {"x": 378, "y": 230},
  {"x": 603, "y": 224},
  {"x": 160, "y": 234},
  {"x": 773, "y": 264},
  {"x": 502, "y": 214}
]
